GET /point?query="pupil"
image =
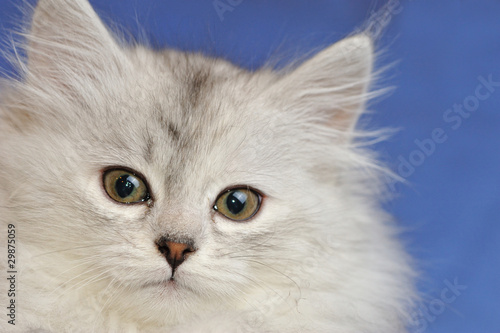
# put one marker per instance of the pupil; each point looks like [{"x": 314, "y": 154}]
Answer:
[
  {"x": 236, "y": 202},
  {"x": 124, "y": 186}
]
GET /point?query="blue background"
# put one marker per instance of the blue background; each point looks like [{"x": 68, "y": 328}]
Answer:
[{"x": 450, "y": 209}]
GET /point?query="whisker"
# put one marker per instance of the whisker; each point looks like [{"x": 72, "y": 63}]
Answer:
[
  {"x": 69, "y": 249},
  {"x": 277, "y": 271}
]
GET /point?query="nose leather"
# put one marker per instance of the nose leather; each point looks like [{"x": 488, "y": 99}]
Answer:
[{"x": 175, "y": 252}]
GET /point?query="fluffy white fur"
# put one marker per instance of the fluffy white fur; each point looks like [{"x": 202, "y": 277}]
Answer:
[{"x": 320, "y": 256}]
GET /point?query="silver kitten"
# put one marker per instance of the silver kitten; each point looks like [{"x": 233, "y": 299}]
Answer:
[{"x": 169, "y": 192}]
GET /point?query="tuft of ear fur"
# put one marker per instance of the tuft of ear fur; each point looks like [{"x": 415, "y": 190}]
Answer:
[
  {"x": 334, "y": 83},
  {"x": 67, "y": 42}
]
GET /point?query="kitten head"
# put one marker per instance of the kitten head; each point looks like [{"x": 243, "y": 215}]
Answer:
[{"x": 173, "y": 185}]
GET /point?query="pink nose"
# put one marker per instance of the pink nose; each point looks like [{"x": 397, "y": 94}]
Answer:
[{"x": 174, "y": 252}]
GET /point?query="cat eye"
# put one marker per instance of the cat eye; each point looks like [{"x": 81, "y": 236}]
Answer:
[
  {"x": 238, "y": 204},
  {"x": 125, "y": 186}
]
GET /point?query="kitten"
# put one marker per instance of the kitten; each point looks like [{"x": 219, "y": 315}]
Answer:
[{"x": 169, "y": 192}]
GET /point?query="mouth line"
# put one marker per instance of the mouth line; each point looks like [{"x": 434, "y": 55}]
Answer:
[
  {"x": 170, "y": 282},
  {"x": 167, "y": 280}
]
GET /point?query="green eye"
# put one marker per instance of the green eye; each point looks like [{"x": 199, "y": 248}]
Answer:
[
  {"x": 125, "y": 186},
  {"x": 238, "y": 204}
]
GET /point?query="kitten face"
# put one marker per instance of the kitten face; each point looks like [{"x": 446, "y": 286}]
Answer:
[{"x": 160, "y": 187}]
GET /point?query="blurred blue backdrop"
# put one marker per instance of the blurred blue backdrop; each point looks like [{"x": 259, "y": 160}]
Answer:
[{"x": 446, "y": 105}]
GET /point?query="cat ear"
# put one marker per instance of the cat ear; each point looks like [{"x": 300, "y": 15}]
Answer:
[
  {"x": 67, "y": 39},
  {"x": 334, "y": 83}
]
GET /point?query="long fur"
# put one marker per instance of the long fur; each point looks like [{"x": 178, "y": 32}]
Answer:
[{"x": 320, "y": 256}]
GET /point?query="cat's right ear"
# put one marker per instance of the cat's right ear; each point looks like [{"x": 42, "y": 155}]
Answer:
[{"x": 67, "y": 41}]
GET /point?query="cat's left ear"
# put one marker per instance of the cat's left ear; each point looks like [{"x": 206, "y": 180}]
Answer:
[
  {"x": 67, "y": 40},
  {"x": 333, "y": 84}
]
